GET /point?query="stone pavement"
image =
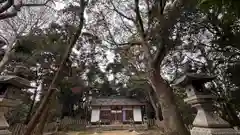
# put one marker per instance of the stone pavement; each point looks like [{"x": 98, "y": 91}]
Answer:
[{"x": 116, "y": 132}]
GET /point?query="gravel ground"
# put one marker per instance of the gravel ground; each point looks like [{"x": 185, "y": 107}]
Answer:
[{"x": 120, "y": 132}]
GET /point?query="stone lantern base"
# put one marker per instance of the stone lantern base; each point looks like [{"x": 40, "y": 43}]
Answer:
[
  {"x": 4, "y": 125},
  {"x": 5, "y": 132},
  {"x": 213, "y": 131}
]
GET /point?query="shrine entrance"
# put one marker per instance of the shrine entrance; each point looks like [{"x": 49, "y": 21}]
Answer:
[{"x": 117, "y": 115}]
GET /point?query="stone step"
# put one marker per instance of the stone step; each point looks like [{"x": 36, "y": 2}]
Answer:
[{"x": 117, "y": 127}]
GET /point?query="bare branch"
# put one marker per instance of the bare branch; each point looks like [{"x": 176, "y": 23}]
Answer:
[
  {"x": 162, "y": 5},
  {"x": 8, "y": 15},
  {"x": 233, "y": 55},
  {"x": 108, "y": 29},
  {"x": 4, "y": 40},
  {"x": 166, "y": 23},
  {"x": 125, "y": 25},
  {"x": 148, "y": 10},
  {"x": 2, "y": 1},
  {"x": 131, "y": 43},
  {"x": 35, "y": 5},
  {"x": 140, "y": 28},
  {"x": 6, "y": 6},
  {"x": 139, "y": 19},
  {"x": 16, "y": 8},
  {"x": 120, "y": 13},
  {"x": 159, "y": 56}
]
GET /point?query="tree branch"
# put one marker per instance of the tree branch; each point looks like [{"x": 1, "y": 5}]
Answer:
[
  {"x": 148, "y": 10},
  {"x": 108, "y": 29},
  {"x": 166, "y": 23},
  {"x": 2, "y": 1},
  {"x": 140, "y": 28},
  {"x": 35, "y": 5},
  {"x": 6, "y": 6},
  {"x": 125, "y": 25},
  {"x": 159, "y": 56},
  {"x": 131, "y": 43},
  {"x": 139, "y": 19},
  {"x": 120, "y": 13},
  {"x": 16, "y": 8}
]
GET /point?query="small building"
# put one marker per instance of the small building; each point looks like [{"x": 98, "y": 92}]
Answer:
[{"x": 116, "y": 110}]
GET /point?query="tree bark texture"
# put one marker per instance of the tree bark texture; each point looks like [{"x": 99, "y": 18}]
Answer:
[
  {"x": 173, "y": 123},
  {"x": 31, "y": 108},
  {"x": 156, "y": 109},
  {"x": 43, "y": 121}
]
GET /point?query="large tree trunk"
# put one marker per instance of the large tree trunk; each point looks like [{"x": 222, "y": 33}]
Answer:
[{"x": 173, "y": 123}]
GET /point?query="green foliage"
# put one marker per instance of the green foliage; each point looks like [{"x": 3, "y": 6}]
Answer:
[
  {"x": 231, "y": 6},
  {"x": 234, "y": 94},
  {"x": 42, "y": 50},
  {"x": 222, "y": 20},
  {"x": 18, "y": 114}
]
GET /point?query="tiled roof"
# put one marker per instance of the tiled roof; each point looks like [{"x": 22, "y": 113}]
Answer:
[{"x": 114, "y": 101}]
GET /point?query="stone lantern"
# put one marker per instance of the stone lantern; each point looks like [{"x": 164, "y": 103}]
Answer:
[
  {"x": 206, "y": 121},
  {"x": 10, "y": 89}
]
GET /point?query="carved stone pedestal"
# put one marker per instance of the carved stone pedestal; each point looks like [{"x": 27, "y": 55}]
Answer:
[
  {"x": 5, "y": 132},
  {"x": 3, "y": 125},
  {"x": 5, "y": 105},
  {"x": 206, "y": 121}
]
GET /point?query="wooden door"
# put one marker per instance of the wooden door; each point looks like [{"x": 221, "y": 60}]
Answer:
[{"x": 117, "y": 117}]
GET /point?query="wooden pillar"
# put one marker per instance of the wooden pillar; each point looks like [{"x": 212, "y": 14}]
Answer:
[{"x": 124, "y": 115}]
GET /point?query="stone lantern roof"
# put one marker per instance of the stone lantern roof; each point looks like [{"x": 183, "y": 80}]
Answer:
[
  {"x": 18, "y": 78},
  {"x": 15, "y": 81},
  {"x": 190, "y": 78},
  {"x": 8, "y": 97}
]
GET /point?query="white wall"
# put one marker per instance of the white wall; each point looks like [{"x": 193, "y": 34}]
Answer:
[
  {"x": 95, "y": 116},
  {"x": 137, "y": 114}
]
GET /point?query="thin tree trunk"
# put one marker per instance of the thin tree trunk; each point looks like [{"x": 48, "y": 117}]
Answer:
[
  {"x": 31, "y": 125},
  {"x": 154, "y": 106},
  {"x": 173, "y": 122},
  {"x": 47, "y": 114},
  {"x": 43, "y": 120},
  {"x": 31, "y": 108},
  {"x": 232, "y": 115},
  {"x": 159, "y": 111}
]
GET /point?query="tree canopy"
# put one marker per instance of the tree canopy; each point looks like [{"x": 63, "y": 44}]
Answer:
[{"x": 122, "y": 48}]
